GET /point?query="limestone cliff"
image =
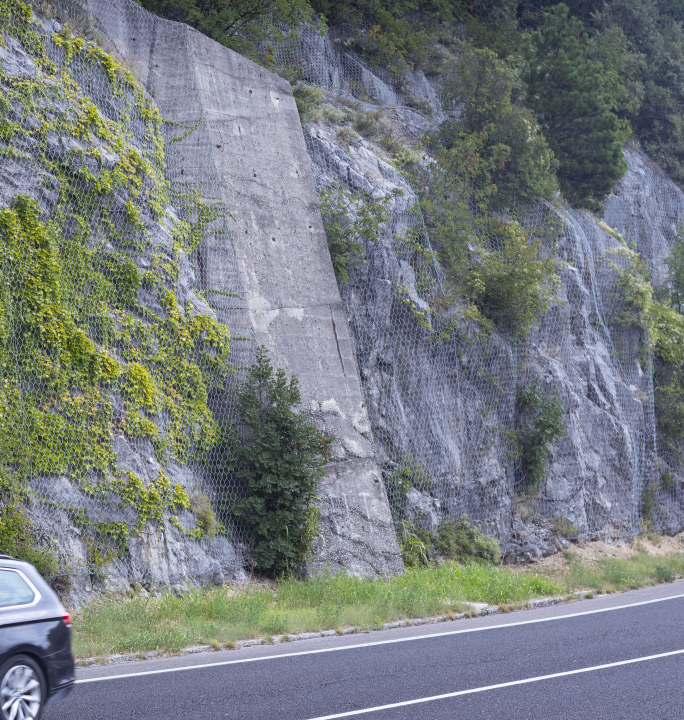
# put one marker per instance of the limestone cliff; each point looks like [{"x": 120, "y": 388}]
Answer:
[
  {"x": 450, "y": 405},
  {"x": 159, "y": 194}
]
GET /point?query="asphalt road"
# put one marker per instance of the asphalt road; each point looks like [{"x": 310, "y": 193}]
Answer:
[{"x": 484, "y": 668}]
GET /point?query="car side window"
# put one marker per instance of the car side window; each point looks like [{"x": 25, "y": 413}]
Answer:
[{"x": 14, "y": 590}]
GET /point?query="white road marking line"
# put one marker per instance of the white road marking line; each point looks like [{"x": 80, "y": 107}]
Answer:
[
  {"x": 418, "y": 701},
  {"x": 357, "y": 646}
]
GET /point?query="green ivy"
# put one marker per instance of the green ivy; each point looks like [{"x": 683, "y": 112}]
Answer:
[{"x": 73, "y": 331}]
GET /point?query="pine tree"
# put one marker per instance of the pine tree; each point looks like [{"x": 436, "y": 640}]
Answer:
[
  {"x": 566, "y": 91},
  {"x": 282, "y": 463}
]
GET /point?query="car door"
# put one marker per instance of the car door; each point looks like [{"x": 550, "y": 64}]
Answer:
[{"x": 19, "y": 607}]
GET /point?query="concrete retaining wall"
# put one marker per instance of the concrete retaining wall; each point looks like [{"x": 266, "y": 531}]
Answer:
[{"x": 248, "y": 150}]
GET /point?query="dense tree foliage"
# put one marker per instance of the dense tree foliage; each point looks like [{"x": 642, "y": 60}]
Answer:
[
  {"x": 497, "y": 269},
  {"x": 282, "y": 461},
  {"x": 567, "y": 92},
  {"x": 234, "y": 23},
  {"x": 479, "y": 85},
  {"x": 644, "y": 42}
]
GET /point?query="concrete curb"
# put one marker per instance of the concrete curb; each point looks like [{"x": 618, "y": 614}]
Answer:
[{"x": 478, "y": 609}]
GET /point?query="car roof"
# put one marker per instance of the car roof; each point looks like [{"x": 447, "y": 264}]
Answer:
[
  {"x": 49, "y": 605},
  {"x": 9, "y": 561}
]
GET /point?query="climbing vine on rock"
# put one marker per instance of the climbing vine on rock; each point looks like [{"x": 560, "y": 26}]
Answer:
[{"x": 99, "y": 334}]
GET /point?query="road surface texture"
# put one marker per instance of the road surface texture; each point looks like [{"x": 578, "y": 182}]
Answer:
[{"x": 614, "y": 657}]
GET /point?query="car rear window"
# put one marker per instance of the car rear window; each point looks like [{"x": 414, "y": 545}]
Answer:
[{"x": 14, "y": 590}]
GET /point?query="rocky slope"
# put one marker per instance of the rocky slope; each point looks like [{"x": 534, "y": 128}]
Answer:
[{"x": 450, "y": 405}]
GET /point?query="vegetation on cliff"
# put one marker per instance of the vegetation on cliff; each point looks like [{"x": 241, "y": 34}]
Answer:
[
  {"x": 281, "y": 460},
  {"x": 94, "y": 341}
]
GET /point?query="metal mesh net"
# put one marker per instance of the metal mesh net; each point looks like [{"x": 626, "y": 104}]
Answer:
[
  {"x": 446, "y": 404},
  {"x": 124, "y": 329},
  {"x": 120, "y": 349}
]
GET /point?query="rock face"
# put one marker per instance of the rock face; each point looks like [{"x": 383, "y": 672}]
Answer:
[
  {"x": 448, "y": 405},
  {"x": 234, "y": 140},
  {"x": 446, "y": 408},
  {"x": 120, "y": 285},
  {"x": 401, "y": 398}
]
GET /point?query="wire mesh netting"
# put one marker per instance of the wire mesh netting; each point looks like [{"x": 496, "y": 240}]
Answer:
[
  {"x": 447, "y": 404},
  {"x": 120, "y": 351},
  {"x": 123, "y": 328}
]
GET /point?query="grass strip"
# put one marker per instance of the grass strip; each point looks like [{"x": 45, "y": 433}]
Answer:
[
  {"x": 220, "y": 616},
  {"x": 615, "y": 575}
]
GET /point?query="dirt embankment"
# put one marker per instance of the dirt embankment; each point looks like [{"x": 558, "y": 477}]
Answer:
[{"x": 590, "y": 552}]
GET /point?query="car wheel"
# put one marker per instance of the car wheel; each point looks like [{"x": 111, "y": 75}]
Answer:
[{"x": 22, "y": 689}]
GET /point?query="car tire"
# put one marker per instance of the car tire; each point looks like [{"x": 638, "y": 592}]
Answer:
[{"x": 22, "y": 689}]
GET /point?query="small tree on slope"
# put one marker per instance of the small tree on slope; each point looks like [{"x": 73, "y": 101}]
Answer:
[{"x": 282, "y": 463}]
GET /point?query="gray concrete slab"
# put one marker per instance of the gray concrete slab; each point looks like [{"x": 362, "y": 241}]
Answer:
[{"x": 248, "y": 151}]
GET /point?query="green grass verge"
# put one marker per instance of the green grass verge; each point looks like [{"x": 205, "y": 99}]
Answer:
[
  {"x": 613, "y": 575},
  {"x": 209, "y": 616}
]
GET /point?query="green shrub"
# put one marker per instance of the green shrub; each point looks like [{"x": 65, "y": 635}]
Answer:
[
  {"x": 404, "y": 156},
  {"x": 462, "y": 541},
  {"x": 480, "y": 84},
  {"x": 499, "y": 268},
  {"x": 417, "y": 545},
  {"x": 564, "y": 527},
  {"x": 347, "y": 135},
  {"x": 675, "y": 266},
  {"x": 407, "y": 475},
  {"x": 662, "y": 329},
  {"x": 200, "y": 507},
  {"x": 669, "y": 407},
  {"x": 664, "y": 574},
  {"x": 540, "y": 418},
  {"x": 333, "y": 114},
  {"x": 282, "y": 462},
  {"x": 372, "y": 124},
  {"x": 648, "y": 501},
  {"x": 17, "y": 537},
  {"x": 421, "y": 104},
  {"x": 513, "y": 283},
  {"x": 349, "y": 221},
  {"x": 667, "y": 480},
  {"x": 308, "y": 99},
  {"x": 522, "y": 163}
]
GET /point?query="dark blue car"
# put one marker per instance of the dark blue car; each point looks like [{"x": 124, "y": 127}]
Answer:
[{"x": 36, "y": 664}]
